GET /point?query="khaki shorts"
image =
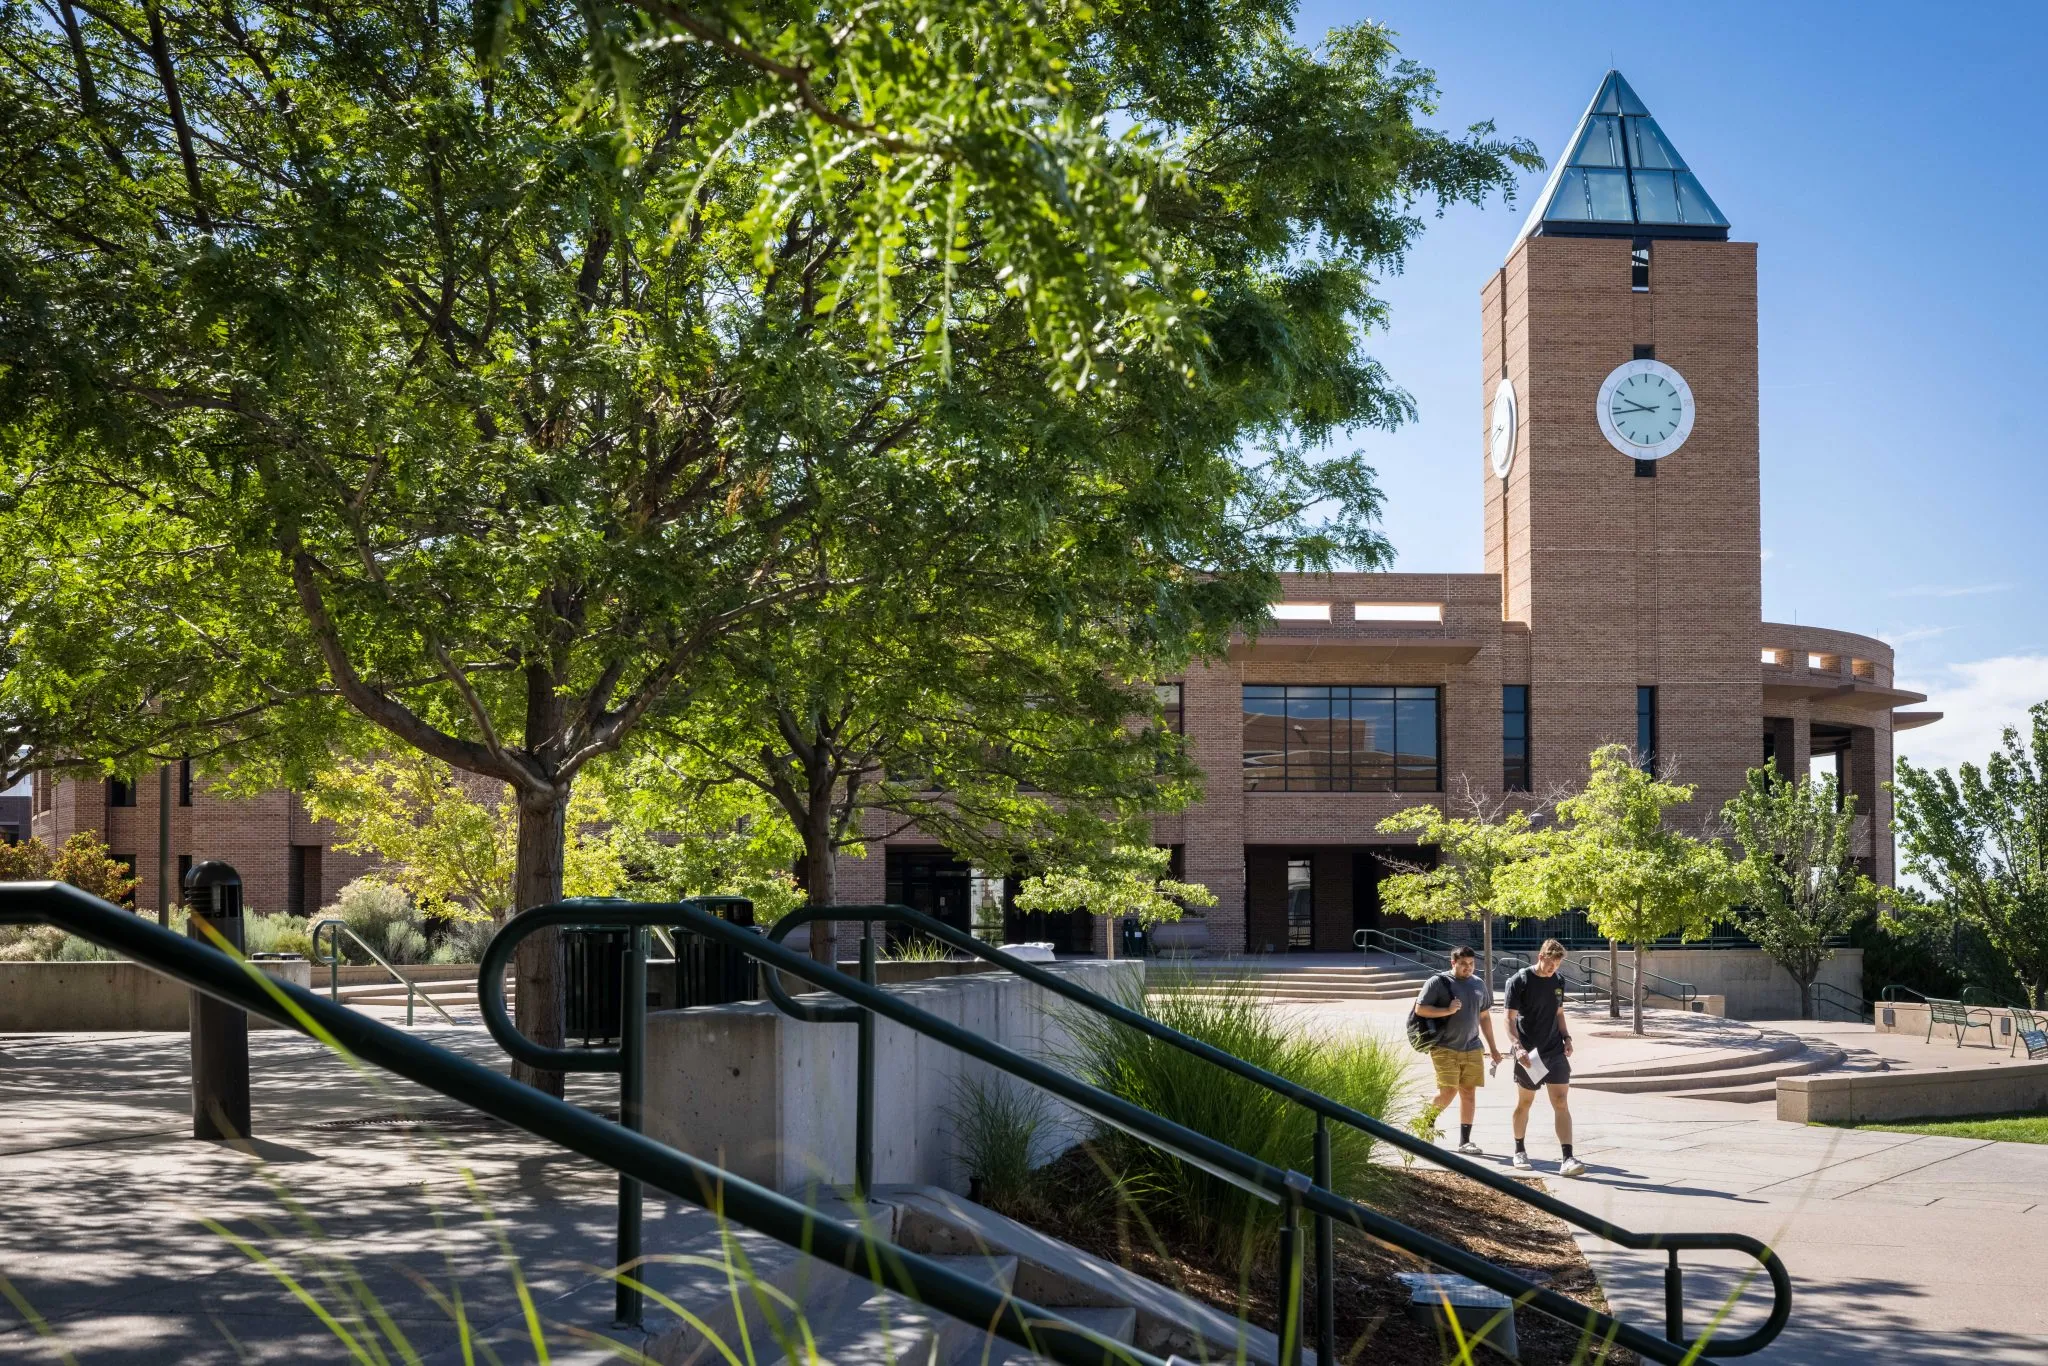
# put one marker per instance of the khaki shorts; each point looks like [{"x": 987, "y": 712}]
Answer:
[{"x": 1458, "y": 1066}]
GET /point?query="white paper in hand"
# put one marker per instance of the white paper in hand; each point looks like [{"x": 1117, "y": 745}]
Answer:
[{"x": 1532, "y": 1063}]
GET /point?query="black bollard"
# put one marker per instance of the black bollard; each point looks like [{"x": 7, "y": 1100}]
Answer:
[{"x": 220, "y": 1033}]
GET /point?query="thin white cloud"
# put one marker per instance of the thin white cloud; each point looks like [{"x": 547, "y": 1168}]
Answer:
[
  {"x": 1769, "y": 554},
  {"x": 1977, "y": 700},
  {"x": 1897, "y": 638},
  {"x": 1932, "y": 590}
]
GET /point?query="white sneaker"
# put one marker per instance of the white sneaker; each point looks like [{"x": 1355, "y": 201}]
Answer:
[
  {"x": 1522, "y": 1163},
  {"x": 1572, "y": 1167},
  {"x": 1471, "y": 1149}
]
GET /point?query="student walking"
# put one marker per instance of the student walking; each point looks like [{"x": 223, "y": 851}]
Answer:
[
  {"x": 1543, "y": 1050},
  {"x": 1463, "y": 1006}
]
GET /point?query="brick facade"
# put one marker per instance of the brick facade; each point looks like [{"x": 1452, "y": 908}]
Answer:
[{"x": 257, "y": 835}]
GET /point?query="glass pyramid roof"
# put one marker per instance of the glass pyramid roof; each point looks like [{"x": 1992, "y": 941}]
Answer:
[{"x": 1622, "y": 177}]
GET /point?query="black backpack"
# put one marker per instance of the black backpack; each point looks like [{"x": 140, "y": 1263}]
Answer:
[{"x": 1422, "y": 1034}]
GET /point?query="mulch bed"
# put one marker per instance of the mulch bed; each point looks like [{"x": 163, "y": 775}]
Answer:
[{"x": 1374, "y": 1328}]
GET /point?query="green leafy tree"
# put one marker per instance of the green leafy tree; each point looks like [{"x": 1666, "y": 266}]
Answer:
[
  {"x": 680, "y": 835},
  {"x": 1132, "y": 881},
  {"x": 1612, "y": 854},
  {"x": 449, "y": 840},
  {"x": 1801, "y": 887},
  {"x": 1979, "y": 839},
  {"x": 477, "y": 366},
  {"x": 1475, "y": 847}
]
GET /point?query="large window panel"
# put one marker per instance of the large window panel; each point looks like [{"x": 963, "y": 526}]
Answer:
[
  {"x": 1265, "y": 739},
  {"x": 1356, "y": 738},
  {"x": 1415, "y": 732}
]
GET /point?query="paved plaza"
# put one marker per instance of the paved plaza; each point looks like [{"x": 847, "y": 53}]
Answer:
[{"x": 1903, "y": 1249}]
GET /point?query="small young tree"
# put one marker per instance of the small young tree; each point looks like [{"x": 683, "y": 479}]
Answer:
[
  {"x": 1612, "y": 854},
  {"x": 1133, "y": 881},
  {"x": 1800, "y": 884},
  {"x": 1979, "y": 840},
  {"x": 450, "y": 840},
  {"x": 1476, "y": 846},
  {"x": 81, "y": 861}
]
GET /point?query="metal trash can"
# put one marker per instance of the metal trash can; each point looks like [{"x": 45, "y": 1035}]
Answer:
[
  {"x": 593, "y": 974},
  {"x": 1135, "y": 942},
  {"x": 704, "y": 973}
]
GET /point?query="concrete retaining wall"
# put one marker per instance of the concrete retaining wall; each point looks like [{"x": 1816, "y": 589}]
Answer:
[
  {"x": 99, "y": 997},
  {"x": 772, "y": 1098},
  {"x": 2006, "y": 1089},
  {"x": 1754, "y": 987}
]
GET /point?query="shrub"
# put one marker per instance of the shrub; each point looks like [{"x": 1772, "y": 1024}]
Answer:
[
  {"x": 1363, "y": 1072},
  {"x": 81, "y": 861},
  {"x": 277, "y": 934},
  {"x": 463, "y": 940},
  {"x": 1000, "y": 1126}
]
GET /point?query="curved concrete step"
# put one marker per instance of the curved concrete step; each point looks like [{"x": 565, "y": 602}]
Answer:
[
  {"x": 1769, "y": 1047},
  {"x": 1751, "y": 1083}
]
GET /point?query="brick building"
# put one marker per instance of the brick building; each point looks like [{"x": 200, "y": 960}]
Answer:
[
  {"x": 1618, "y": 457},
  {"x": 286, "y": 858}
]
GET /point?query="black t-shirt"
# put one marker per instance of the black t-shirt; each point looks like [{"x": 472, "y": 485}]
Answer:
[{"x": 1534, "y": 999}]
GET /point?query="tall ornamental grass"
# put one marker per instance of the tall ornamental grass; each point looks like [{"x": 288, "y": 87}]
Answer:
[{"x": 1362, "y": 1071}]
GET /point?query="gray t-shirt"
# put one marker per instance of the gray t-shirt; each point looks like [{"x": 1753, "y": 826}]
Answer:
[{"x": 1459, "y": 1031}]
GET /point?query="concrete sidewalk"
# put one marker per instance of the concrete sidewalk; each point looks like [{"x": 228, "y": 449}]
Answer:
[
  {"x": 105, "y": 1198},
  {"x": 1905, "y": 1250}
]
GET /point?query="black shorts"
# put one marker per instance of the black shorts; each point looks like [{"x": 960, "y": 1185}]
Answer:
[{"x": 1560, "y": 1073}]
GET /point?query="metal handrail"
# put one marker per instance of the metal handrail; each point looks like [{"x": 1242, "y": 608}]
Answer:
[
  {"x": 333, "y": 965},
  {"x": 1825, "y": 993},
  {"x": 241, "y": 984},
  {"x": 1324, "y": 1203},
  {"x": 1685, "y": 994},
  {"x": 1418, "y": 948},
  {"x": 1891, "y": 993}
]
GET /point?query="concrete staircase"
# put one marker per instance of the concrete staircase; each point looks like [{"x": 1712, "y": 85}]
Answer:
[
  {"x": 1371, "y": 981},
  {"x": 1746, "y": 1074},
  {"x": 455, "y": 996},
  {"x": 846, "y": 1321}
]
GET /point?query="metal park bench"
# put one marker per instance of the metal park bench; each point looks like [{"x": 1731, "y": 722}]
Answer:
[
  {"x": 1954, "y": 1013},
  {"x": 2030, "y": 1029}
]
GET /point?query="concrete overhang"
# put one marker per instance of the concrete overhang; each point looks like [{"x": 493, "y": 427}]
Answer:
[
  {"x": 1861, "y": 696},
  {"x": 1908, "y": 720},
  {"x": 1292, "y": 647}
]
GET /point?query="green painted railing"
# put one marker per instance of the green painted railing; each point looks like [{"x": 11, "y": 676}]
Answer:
[
  {"x": 243, "y": 985},
  {"x": 1329, "y": 1209}
]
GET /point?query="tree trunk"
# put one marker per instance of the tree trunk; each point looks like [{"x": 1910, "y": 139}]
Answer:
[
  {"x": 537, "y": 963},
  {"x": 1637, "y": 994},
  {"x": 1486, "y": 944},
  {"x": 1806, "y": 998},
  {"x": 820, "y": 878},
  {"x": 1614, "y": 979}
]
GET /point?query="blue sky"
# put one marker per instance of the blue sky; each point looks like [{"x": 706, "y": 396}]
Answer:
[{"x": 1885, "y": 159}]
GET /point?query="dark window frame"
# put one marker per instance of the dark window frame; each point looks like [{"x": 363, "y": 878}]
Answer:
[
  {"x": 1646, "y": 727},
  {"x": 184, "y": 782},
  {"x": 120, "y": 794},
  {"x": 1639, "y": 265},
  {"x": 1327, "y": 769},
  {"x": 1515, "y": 772}
]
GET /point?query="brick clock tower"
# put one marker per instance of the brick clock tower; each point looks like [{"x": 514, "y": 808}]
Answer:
[{"x": 1621, "y": 460}]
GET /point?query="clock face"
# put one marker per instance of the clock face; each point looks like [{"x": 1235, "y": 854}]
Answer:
[
  {"x": 1500, "y": 439},
  {"x": 1646, "y": 409}
]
